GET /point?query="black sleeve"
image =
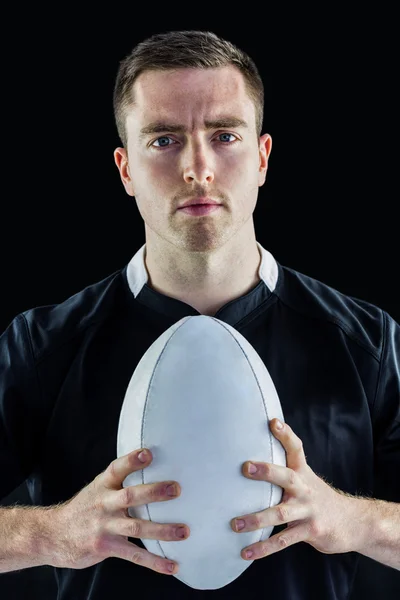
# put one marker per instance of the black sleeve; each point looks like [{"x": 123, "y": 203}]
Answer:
[
  {"x": 21, "y": 423},
  {"x": 386, "y": 416}
]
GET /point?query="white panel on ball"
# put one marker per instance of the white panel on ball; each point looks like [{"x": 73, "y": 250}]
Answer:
[{"x": 201, "y": 400}]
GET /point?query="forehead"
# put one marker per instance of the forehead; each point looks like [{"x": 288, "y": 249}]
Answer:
[{"x": 190, "y": 93}]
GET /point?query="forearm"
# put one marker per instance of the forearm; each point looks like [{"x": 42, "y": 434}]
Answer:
[
  {"x": 380, "y": 531},
  {"x": 25, "y": 539}
]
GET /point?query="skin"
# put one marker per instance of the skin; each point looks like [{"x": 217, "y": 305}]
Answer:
[
  {"x": 315, "y": 512},
  {"x": 210, "y": 260}
]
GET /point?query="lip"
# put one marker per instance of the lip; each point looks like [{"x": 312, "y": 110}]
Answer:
[
  {"x": 199, "y": 210},
  {"x": 199, "y": 201}
]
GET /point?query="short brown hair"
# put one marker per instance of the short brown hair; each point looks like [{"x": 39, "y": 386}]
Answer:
[{"x": 183, "y": 49}]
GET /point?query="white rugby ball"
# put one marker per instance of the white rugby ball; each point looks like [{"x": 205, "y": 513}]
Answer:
[{"x": 201, "y": 400}]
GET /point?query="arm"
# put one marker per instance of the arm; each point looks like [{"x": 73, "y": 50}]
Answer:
[
  {"x": 382, "y": 517},
  {"x": 25, "y": 539},
  {"x": 24, "y": 530},
  {"x": 380, "y": 527}
]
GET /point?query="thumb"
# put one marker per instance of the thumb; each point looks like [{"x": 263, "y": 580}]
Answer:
[{"x": 121, "y": 467}]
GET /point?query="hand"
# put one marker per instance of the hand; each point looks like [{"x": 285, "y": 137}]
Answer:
[
  {"x": 314, "y": 511},
  {"x": 95, "y": 523}
]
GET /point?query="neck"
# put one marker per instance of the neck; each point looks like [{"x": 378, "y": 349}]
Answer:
[{"x": 204, "y": 280}]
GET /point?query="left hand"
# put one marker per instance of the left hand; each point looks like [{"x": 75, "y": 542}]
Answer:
[{"x": 314, "y": 511}]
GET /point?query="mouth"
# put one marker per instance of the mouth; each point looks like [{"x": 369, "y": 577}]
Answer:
[{"x": 199, "y": 210}]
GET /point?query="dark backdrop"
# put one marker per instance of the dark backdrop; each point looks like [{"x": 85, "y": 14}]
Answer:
[{"x": 327, "y": 209}]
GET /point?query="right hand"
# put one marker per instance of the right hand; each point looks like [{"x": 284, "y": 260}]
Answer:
[{"x": 95, "y": 523}]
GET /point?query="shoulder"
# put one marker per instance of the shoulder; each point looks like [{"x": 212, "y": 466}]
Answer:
[
  {"x": 51, "y": 326},
  {"x": 324, "y": 305}
]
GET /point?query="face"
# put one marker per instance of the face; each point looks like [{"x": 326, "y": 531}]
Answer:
[{"x": 173, "y": 156}]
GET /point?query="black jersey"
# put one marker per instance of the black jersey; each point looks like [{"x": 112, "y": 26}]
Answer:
[{"x": 334, "y": 360}]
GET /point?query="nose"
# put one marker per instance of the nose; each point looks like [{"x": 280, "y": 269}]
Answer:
[{"x": 197, "y": 164}]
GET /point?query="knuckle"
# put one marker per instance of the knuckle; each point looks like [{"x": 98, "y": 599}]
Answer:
[
  {"x": 268, "y": 471},
  {"x": 315, "y": 529},
  {"x": 135, "y": 528},
  {"x": 282, "y": 542},
  {"x": 137, "y": 557},
  {"x": 100, "y": 503},
  {"x": 256, "y": 521},
  {"x": 127, "y": 496},
  {"x": 99, "y": 546},
  {"x": 155, "y": 491},
  {"x": 292, "y": 477},
  {"x": 283, "y": 513},
  {"x": 112, "y": 468},
  {"x": 159, "y": 565},
  {"x": 264, "y": 549}
]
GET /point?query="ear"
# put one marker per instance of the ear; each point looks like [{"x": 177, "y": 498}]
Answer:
[
  {"x": 121, "y": 160},
  {"x": 264, "y": 151}
]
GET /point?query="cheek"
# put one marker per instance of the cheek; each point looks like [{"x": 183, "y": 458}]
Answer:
[
  {"x": 153, "y": 196},
  {"x": 242, "y": 166},
  {"x": 160, "y": 167},
  {"x": 243, "y": 182},
  {"x": 152, "y": 165},
  {"x": 151, "y": 180}
]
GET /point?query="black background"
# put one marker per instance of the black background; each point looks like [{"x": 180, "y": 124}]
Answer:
[{"x": 327, "y": 209}]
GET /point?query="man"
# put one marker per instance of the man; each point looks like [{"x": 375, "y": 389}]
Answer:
[{"x": 188, "y": 108}]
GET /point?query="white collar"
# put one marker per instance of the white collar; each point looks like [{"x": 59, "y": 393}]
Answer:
[{"x": 137, "y": 273}]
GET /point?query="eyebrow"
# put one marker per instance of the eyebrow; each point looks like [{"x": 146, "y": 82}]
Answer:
[{"x": 221, "y": 122}]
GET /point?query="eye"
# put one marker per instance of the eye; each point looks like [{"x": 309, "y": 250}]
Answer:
[
  {"x": 228, "y": 134},
  {"x": 163, "y": 138}
]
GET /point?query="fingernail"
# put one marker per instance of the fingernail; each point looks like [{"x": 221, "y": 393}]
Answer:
[
  {"x": 278, "y": 425},
  {"x": 239, "y": 524},
  {"x": 180, "y": 532},
  {"x": 143, "y": 456},
  {"x": 252, "y": 468}
]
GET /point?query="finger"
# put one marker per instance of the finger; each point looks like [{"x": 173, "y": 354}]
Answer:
[
  {"x": 291, "y": 443},
  {"x": 283, "y": 476},
  {"x": 122, "y": 466},
  {"x": 137, "y": 495},
  {"x": 271, "y": 517},
  {"x": 139, "y": 528},
  {"x": 119, "y": 548},
  {"x": 277, "y": 542}
]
